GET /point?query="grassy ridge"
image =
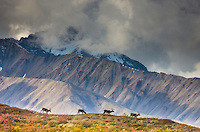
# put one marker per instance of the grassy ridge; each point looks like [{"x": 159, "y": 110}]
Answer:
[{"x": 15, "y": 119}]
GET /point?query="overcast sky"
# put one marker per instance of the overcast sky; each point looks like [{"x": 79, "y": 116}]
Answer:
[{"x": 164, "y": 35}]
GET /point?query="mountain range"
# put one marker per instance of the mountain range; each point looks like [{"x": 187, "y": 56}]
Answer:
[{"x": 35, "y": 77}]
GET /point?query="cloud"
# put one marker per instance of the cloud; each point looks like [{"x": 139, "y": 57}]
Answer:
[
  {"x": 195, "y": 73},
  {"x": 105, "y": 24},
  {"x": 166, "y": 36},
  {"x": 163, "y": 35}
]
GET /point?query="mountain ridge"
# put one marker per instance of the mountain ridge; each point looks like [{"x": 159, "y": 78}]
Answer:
[{"x": 34, "y": 46}]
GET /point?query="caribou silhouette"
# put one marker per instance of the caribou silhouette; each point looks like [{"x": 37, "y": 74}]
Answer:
[
  {"x": 135, "y": 115},
  {"x": 45, "y": 110},
  {"x": 108, "y": 111},
  {"x": 82, "y": 111}
]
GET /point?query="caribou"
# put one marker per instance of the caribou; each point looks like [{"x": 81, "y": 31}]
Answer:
[
  {"x": 135, "y": 115},
  {"x": 46, "y": 110},
  {"x": 108, "y": 111},
  {"x": 82, "y": 111}
]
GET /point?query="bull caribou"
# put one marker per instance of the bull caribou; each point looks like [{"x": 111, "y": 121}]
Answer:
[
  {"x": 45, "y": 110},
  {"x": 135, "y": 115},
  {"x": 82, "y": 111},
  {"x": 108, "y": 111}
]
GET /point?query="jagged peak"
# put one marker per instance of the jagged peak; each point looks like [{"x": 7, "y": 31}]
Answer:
[{"x": 33, "y": 45}]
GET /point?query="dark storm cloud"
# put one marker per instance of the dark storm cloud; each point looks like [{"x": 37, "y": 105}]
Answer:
[
  {"x": 172, "y": 35},
  {"x": 163, "y": 35},
  {"x": 91, "y": 9}
]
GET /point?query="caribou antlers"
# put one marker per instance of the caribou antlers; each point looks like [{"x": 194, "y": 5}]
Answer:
[
  {"x": 45, "y": 110},
  {"x": 81, "y": 110}
]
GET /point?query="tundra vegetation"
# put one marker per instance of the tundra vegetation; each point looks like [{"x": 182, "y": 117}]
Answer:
[{"x": 15, "y": 119}]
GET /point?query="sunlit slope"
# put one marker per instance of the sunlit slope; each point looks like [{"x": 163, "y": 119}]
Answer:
[{"x": 60, "y": 97}]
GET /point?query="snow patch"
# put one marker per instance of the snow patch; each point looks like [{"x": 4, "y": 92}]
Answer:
[
  {"x": 24, "y": 75},
  {"x": 79, "y": 52},
  {"x": 130, "y": 64},
  {"x": 21, "y": 47},
  {"x": 68, "y": 49},
  {"x": 115, "y": 58},
  {"x": 3, "y": 50}
]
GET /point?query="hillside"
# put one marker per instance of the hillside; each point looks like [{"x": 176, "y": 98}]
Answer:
[
  {"x": 150, "y": 93},
  {"x": 15, "y": 119}
]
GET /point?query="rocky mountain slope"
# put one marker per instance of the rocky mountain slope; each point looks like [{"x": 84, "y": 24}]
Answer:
[
  {"x": 156, "y": 94},
  {"x": 61, "y": 98}
]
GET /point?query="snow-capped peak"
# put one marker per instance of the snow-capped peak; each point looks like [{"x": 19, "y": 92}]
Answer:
[{"x": 69, "y": 46}]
